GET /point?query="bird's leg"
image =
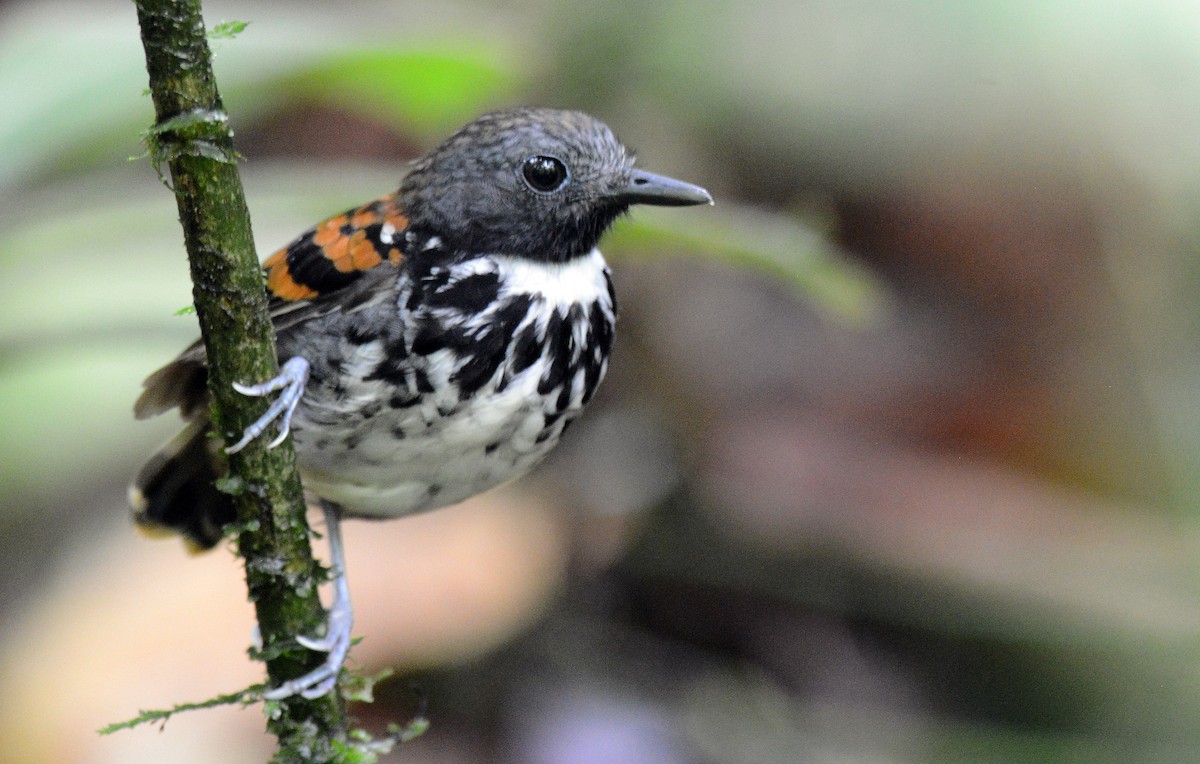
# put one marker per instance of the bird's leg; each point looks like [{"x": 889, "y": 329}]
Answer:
[
  {"x": 292, "y": 378},
  {"x": 336, "y": 641}
]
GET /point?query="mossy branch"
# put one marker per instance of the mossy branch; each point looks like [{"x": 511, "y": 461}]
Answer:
[
  {"x": 192, "y": 137},
  {"x": 161, "y": 716}
]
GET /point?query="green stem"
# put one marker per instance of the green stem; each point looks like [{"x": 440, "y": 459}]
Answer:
[{"x": 192, "y": 136}]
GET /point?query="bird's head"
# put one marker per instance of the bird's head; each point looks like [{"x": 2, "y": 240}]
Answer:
[{"x": 539, "y": 183}]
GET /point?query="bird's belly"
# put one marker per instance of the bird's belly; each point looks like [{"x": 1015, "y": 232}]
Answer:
[
  {"x": 431, "y": 454},
  {"x": 493, "y": 357}
]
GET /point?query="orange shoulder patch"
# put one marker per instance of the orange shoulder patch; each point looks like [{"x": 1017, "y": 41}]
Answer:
[
  {"x": 336, "y": 252},
  {"x": 280, "y": 281}
]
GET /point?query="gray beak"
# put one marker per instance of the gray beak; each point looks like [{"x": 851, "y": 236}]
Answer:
[{"x": 648, "y": 188}]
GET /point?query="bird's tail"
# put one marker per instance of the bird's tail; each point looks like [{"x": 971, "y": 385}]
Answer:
[{"x": 174, "y": 491}]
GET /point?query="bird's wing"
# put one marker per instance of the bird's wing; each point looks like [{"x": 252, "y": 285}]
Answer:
[
  {"x": 314, "y": 272},
  {"x": 331, "y": 267}
]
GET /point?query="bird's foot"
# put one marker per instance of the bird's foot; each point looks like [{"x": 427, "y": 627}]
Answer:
[
  {"x": 322, "y": 679},
  {"x": 293, "y": 376}
]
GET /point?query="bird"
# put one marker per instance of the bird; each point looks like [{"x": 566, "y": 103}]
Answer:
[{"x": 438, "y": 340}]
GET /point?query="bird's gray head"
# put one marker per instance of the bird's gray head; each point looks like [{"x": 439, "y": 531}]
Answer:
[{"x": 540, "y": 183}]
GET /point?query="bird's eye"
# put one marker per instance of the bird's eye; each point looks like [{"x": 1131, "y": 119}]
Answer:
[{"x": 544, "y": 174}]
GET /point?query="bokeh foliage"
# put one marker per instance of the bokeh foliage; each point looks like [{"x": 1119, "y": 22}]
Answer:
[{"x": 964, "y": 457}]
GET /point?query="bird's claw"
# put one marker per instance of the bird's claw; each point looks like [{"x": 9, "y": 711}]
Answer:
[
  {"x": 322, "y": 679},
  {"x": 293, "y": 376}
]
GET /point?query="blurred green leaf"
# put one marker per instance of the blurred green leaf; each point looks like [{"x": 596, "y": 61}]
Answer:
[
  {"x": 428, "y": 91},
  {"x": 74, "y": 100},
  {"x": 227, "y": 30},
  {"x": 773, "y": 243},
  {"x": 64, "y": 93}
]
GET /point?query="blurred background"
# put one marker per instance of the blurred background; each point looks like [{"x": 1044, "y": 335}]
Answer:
[{"x": 896, "y": 457}]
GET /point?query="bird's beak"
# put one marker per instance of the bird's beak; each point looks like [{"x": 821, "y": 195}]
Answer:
[{"x": 648, "y": 188}]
